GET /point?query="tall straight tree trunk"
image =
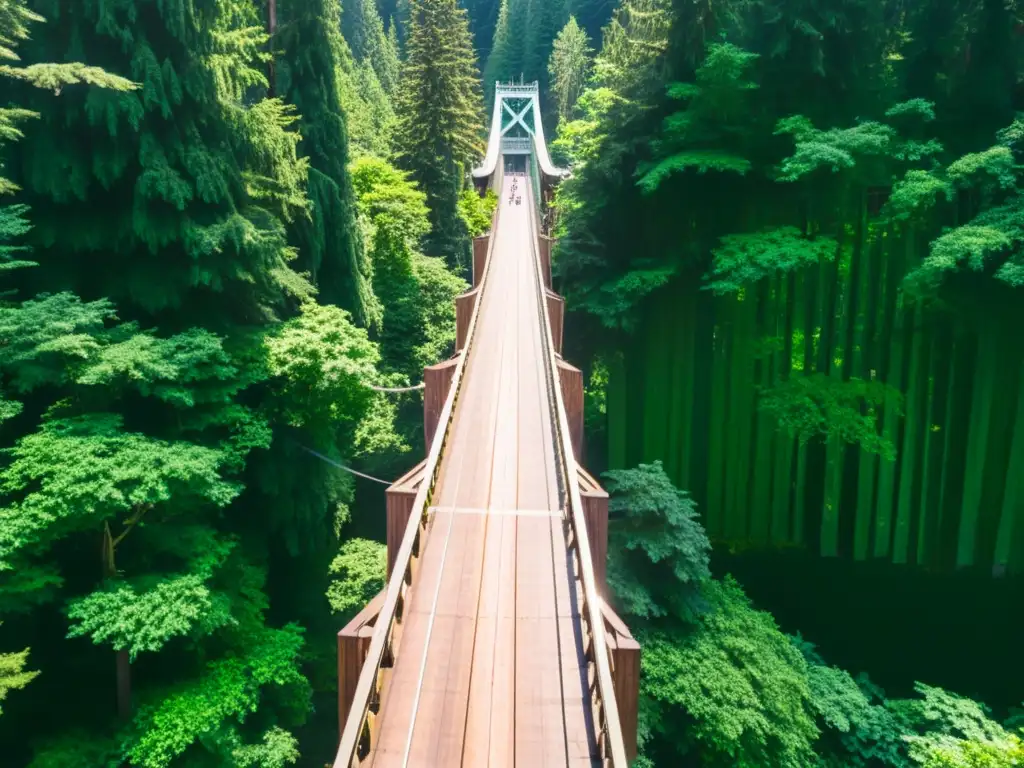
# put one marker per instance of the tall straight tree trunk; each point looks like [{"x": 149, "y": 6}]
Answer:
[
  {"x": 872, "y": 303},
  {"x": 769, "y": 298},
  {"x": 942, "y": 361},
  {"x": 618, "y": 405},
  {"x": 715, "y": 511},
  {"x": 891, "y": 419},
  {"x": 985, "y": 377},
  {"x": 122, "y": 661},
  {"x": 1009, "y": 550},
  {"x": 783, "y": 442},
  {"x": 914, "y": 431}
]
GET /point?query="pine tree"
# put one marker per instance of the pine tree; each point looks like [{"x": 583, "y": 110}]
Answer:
[
  {"x": 569, "y": 67},
  {"x": 503, "y": 59},
  {"x": 312, "y": 59},
  {"x": 364, "y": 30},
  {"x": 120, "y": 499},
  {"x": 439, "y": 111},
  {"x": 544, "y": 19}
]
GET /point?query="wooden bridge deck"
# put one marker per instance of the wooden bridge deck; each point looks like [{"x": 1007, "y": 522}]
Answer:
[{"x": 491, "y": 669}]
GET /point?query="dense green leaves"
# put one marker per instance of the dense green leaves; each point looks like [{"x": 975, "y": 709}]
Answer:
[
  {"x": 746, "y": 259},
  {"x": 440, "y": 117},
  {"x": 658, "y": 550},
  {"x": 823, "y": 406},
  {"x": 359, "y": 570},
  {"x": 740, "y": 682}
]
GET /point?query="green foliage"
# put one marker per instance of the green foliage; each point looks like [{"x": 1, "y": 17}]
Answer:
[
  {"x": 708, "y": 134},
  {"x": 439, "y": 117},
  {"x": 360, "y": 568},
  {"x": 314, "y": 70},
  {"x": 325, "y": 364},
  {"x": 13, "y": 676},
  {"x": 569, "y": 67},
  {"x": 146, "y": 621},
  {"x": 228, "y": 690},
  {"x": 278, "y": 749},
  {"x": 77, "y": 472},
  {"x": 658, "y": 551},
  {"x": 915, "y": 196},
  {"x": 734, "y": 690},
  {"x": 989, "y": 169},
  {"x": 477, "y": 212},
  {"x": 990, "y": 243},
  {"x": 816, "y": 405},
  {"x": 417, "y": 291},
  {"x": 746, "y": 259}
]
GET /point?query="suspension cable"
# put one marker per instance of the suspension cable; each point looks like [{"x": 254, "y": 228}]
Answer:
[
  {"x": 421, "y": 385},
  {"x": 339, "y": 465}
]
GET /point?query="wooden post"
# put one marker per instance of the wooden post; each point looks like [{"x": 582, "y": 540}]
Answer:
[
  {"x": 479, "y": 258},
  {"x": 437, "y": 380},
  {"x": 353, "y": 644},
  {"x": 556, "y": 313},
  {"x": 400, "y": 496},
  {"x": 571, "y": 380},
  {"x": 625, "y": 653},
  {"x": 595, "y": 512},
  {"x": 464, "y": 306},
  {"x": 544, "y": 248}
]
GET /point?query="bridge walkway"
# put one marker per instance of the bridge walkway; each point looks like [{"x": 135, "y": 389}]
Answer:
[{"x": 491, "y": 670}]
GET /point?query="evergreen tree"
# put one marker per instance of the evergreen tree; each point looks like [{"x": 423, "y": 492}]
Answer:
[
  {"x": 121, "y": 509},
  {"x": 503, "y": 59},
  {"x": 439, "y": 117},
  {"x": 313, "y": 58},
  {"x": 369, "y": 42},
  {"x": 569, "y": 67},
  {"x": 544, "y": 19}
]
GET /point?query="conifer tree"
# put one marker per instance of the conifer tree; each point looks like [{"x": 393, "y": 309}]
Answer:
[
  {"x": 130, "y": 448},
  {"x": 439, "y": 111},
  {"x": 312, "y": 60},
  {"x": 544, "y": 19},
  {"x": 369, "y": 42},
  {"x": 569, "y": 67},
  {"x": 503, "y": 59}
]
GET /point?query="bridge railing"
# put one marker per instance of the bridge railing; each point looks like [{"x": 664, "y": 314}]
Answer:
[
  {"x": 604, "y": 707},
  {"x": 511, "y": 88},
  {"x": 359, "y": 738},
  {"x": 516, "y": 145}
]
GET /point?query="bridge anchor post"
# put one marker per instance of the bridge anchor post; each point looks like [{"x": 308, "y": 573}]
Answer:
[
  {"x": 437, "y": 380},
  {"x": 480, "y": 246}
]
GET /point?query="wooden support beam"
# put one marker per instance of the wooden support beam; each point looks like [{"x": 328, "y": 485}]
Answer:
[
  {"x": 625, "y": 653},
  {"x": 595, "y": 512},
  {"x": 571, "y": 380},
  {"x": 556, "y": 313},
  {"x": 480, "y": 245},
  {"x": 400, "y": 497},
  {"x": 464, "y": 306},
  {"x": 544, "y": 245},
  {"x": 437, "y": 380},
  {"x": 353, "y": 644}
]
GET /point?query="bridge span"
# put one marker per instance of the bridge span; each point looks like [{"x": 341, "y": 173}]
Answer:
[{"x": 491, "y": 644}]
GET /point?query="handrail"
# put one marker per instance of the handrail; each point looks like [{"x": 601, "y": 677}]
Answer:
[
  {"x": 607, "y": 709},
  {"x": 359, "y": 734}
]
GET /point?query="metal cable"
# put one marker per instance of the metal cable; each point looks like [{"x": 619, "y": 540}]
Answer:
[
  {"x": 334, "y": 463},
  {"x": 421, "y": 385}
]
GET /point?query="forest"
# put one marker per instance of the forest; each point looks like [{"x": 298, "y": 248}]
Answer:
[{"x": 792, "y": 251}]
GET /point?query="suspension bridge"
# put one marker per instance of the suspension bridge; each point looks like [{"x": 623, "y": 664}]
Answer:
[{"x": 491, "y": 643}]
